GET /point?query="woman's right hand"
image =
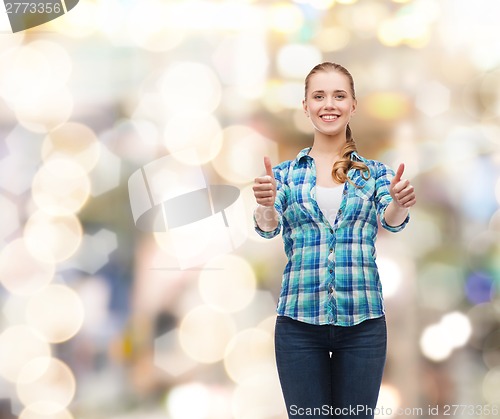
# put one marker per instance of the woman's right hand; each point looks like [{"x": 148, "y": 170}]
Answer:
[{"x": 264, "y": 188}]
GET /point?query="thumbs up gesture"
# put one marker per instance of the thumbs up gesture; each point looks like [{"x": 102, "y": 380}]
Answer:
[
  {"x": 401, "y": 190},
  {"x": 264, "y": 188}
]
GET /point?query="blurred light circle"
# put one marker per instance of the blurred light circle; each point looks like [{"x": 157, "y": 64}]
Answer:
[
  {"x": 204, "y": 334},
  {"x": 241, "y": 61},
  {"x": 407, "y": 27},
  {"x": 227, "y": 283},
  {"x": 180, "y": 401},
  {"x": 387, "y": 106},
  {"x": 389, "y": 400},
  {"x": 250, "y": 352},
  {"x": 241, "y": 158},
  {"x": 491, "y": 350},
  {"x": 52, "y": 239},
  {"x": 61, "y": 187},
  {"x": 166, "y": 244},
  {"x": 479, "y": 287},
  {"x": 20, "y": 272},
  {"x": 259, "y": 397},
  {"x": 134, "y": 140},
  {"x": 457, "y": 327},
  {"x": 31, "y": 78},
  {"x": 45, "y": 112},
  {"x": 18, "y": 346},
  {"x": 24, "y": 75},
  {"x": 491, "y": 384},
  {"x": 268, "y": 324},
  {"x": 365, "y": 18},
  {"x": 10, "y": 42},
  {"x": 46, "y": 384},
  {"x": 74, "y": 141},
  {"x": 78, "y": 23},
  {"x": 146, "y": 26},
  {"x": 390, "y": 276},
  {"x": 433, "y": 98},
  {"x": 198, "y": 130},
  {"x": 333, "y": 38},
  {"x": 296, "y": 60},
  {"x": 273, "y": 96},
  {"x": 483, "y": 318},
  {"x": 439, "y": 340},
  {"x": 434, "y": 343},
  {"x": 34, "y": 411},
  {"x": 285, "y": 18},
  {"x": 288, "y": 95},
  {"x": 56, "y": 312},
  {"x": 59, "y": 60},
  {"x": 191, "y": 87}
]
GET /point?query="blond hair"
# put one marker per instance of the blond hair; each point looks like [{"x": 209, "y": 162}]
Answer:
[{"x": 344, "y": 164}]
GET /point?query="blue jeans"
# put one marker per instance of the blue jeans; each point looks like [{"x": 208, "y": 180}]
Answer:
[{"x": 330, "y": 371}]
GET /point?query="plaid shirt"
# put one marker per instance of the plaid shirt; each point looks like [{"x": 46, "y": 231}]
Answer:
[{"x": 331, "y": 276}]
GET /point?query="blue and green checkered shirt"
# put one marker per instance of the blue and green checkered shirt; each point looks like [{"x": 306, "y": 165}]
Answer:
[{"x": 331, "y": 276}]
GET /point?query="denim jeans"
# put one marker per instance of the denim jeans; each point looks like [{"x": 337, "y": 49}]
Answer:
[{"x": 330, "y": 371}]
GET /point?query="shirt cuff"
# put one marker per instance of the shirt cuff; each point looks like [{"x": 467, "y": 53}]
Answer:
[
  {"x": 394, "y": 229},
  {"x": 266, "y": 234}
]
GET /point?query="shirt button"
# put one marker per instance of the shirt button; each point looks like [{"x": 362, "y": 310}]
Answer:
[
  {"x": 330, "y": 288},
  {"x": 331, "y": 271},
  {"x": 331, "y": 250},
  {"x": 331, "y": 230}
]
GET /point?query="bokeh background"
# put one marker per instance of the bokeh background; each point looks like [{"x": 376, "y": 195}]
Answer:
[{"x": 99, "y": 320}]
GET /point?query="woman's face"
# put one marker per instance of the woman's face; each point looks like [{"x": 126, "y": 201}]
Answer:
[{"x": 329, "y": 102}]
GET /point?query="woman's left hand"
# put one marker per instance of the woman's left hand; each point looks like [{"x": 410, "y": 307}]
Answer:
[{"x": 401, "y": 190}]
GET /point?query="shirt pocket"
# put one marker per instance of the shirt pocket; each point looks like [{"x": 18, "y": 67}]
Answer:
[
  {"x": 366, "y": 191},
  {"x": 360, "y": 203}
]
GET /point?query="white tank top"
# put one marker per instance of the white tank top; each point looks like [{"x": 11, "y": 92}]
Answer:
[{"x": 329, "y": 200}]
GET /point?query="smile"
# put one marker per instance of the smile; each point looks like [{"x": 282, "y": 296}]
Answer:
[{"x": 329, "y": 117}]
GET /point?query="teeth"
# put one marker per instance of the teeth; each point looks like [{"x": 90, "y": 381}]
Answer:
[{"x": 329, "y": 117}]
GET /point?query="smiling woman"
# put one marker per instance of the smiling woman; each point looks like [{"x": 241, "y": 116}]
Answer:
[{"x": 331, "y": 307}]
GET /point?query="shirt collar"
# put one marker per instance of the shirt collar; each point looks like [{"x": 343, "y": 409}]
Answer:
[
  {"x": 305, "y": 153},
  {"x": 354, "y": 174}
]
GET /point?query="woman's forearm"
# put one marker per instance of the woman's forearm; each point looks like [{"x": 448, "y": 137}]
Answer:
[
  {"x": 267, "y": 218},
  {"x": 395, "y": 215}
]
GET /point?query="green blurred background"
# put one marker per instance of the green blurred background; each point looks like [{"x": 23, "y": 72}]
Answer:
[{"x": 100, "y": 320}]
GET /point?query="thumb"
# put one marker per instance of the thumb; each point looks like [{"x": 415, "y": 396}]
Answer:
[
  {"x": 399, "y": 173},
  {"x": 269, "y": 167}
]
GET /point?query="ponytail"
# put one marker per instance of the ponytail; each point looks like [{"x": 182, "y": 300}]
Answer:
[{"x": 344, "y": 164}]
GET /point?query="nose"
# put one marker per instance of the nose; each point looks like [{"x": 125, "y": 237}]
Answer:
[{"x": 329, "y": 103}]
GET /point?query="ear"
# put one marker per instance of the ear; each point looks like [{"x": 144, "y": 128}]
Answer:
[
  {"x": 354, "y": 106},
  {"x": 304, "y": 105}
]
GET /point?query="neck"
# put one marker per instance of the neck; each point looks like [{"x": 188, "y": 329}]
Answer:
[{"x": 328, "y": 147}]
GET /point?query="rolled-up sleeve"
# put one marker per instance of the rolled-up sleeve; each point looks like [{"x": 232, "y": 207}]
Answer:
[{"x": 383, "y": 196}]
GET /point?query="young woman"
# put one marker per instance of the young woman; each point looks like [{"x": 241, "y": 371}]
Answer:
[{"x": 330, "y": 333}]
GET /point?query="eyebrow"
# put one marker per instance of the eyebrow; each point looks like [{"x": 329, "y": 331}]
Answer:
[{"x": 335, "y": 91}]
